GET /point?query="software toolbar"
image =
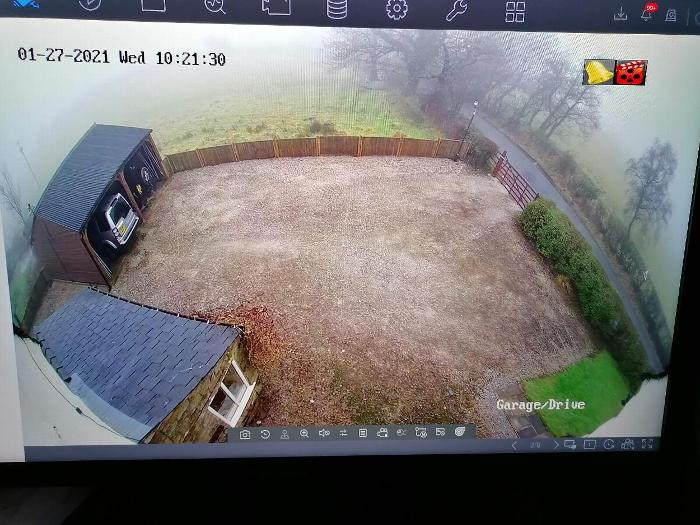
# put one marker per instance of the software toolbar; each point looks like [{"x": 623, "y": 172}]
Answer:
[
  {"x": 331, "y": 441},
  {"x": 599, "y": 16},
  {"x": 373, "y": 432}
]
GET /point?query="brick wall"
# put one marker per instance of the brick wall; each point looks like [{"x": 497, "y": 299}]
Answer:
[{"x": 190, "y": 421}]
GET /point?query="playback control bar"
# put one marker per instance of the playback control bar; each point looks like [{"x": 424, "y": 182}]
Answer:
[
  {"x": 591, "y": 16},
  {"x": 339, "y": 445},
  {"x": 353, "y": 433}
]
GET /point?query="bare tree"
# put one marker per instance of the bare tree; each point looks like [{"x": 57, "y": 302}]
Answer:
[
  {"x": 649, "y": 176},
  {"x": 574, "y": 104},
  {"x": 12, "y": 198},
  {"x": 409, "y": 55}
]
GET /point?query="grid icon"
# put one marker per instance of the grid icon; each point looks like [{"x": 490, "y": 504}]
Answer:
[{"x": 515, "y": 12}]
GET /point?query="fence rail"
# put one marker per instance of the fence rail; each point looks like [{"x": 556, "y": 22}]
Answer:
[
  {"x": 517, "y": 186},
  {"x": 354, "y": 146}
]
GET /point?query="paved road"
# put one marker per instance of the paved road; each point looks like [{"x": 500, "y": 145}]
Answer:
[{"x": 529, "y": 169}]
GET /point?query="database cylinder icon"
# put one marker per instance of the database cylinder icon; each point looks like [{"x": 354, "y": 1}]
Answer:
[{"x": 337, "y": 9}]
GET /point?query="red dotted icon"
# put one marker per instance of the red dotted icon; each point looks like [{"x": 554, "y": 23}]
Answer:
[
  {"x": 651, "y": 7},
  {"x": 631, "y": 73}
]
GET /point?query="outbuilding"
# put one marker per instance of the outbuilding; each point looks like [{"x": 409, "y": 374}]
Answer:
[
  {"x": 152, "y": 376},
  {"x": 93, "y": 204}
]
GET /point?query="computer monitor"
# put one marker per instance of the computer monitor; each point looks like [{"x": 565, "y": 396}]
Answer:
[{"x": 342, "y": 227}]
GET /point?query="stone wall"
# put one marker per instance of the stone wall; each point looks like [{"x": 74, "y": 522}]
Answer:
[{"x": 191, "y": 422}]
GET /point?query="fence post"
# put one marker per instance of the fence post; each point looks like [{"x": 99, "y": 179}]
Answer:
[
  {"x": 200, "y": 158},
  {"x": 168, "y": 165},
  {"x": 497, "y": 168},
  {"x": 359, "y": 146},
  {"x": 318, "y": 146},
  {"x": 275, "y": 148},
  {"x": 437, "y": 147},
  {"x": 235, "y": 152},
  {"x": 400, "y": 146}
]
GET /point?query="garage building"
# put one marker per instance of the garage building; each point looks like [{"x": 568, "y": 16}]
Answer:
[{"x": 90, "y": 209}]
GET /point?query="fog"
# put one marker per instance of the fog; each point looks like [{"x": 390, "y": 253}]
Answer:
[{"x": 46, "y": 107}]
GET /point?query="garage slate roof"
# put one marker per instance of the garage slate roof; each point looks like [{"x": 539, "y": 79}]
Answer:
[
  {"x": 131, "y": 364},
  {"x": 85, "y": 174}
]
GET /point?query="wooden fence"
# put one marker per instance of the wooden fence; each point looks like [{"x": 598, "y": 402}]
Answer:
[
  {"x": 314, "y": 147},
  {"x": 354, "y": 146},
  {"x": 517, "y": 186}
]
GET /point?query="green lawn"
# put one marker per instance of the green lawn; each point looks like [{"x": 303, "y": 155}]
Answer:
[
  {"x": 595, "y": 380},
  {"x": 286, "y": 110}
]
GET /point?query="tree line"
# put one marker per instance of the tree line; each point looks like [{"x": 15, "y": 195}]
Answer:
[{"x": 531, "y": 86}]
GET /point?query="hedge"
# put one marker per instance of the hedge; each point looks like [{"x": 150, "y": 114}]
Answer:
[
  {"x": 481, "y": 150},
  {"x": 557, "y": 239}
]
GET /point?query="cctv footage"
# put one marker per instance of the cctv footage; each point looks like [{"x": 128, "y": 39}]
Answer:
[{"x": 221, "y": 236}]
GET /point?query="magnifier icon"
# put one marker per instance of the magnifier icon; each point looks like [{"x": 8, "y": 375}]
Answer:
[{"x": 215, "y": 6}]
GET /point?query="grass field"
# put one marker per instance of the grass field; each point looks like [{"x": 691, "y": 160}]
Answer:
[
  {"x": 595, "y": 380},
  {"x": 239, "y": 112}
]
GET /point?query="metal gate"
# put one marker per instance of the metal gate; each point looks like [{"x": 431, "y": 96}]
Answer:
[{"x": 517, "y": 186}]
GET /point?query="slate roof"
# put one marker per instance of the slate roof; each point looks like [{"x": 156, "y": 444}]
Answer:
[
  {"x": 85, "y": 174},
  {"x": 131, "y": 364}
]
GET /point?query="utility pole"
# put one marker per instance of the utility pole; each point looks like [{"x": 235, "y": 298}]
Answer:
[{"x": 466, "y": 132}]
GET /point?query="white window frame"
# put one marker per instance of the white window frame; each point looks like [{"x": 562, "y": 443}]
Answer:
[{"x": 234, "y": 415}]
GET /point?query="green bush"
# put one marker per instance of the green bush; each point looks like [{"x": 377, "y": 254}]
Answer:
[{"x": 557, "y": 239}]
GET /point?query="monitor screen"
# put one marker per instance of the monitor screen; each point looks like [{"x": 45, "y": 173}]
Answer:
[{"x": 341, "y": 227}]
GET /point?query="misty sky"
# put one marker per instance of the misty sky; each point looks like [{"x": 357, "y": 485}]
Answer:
[{"x": 48, "y": 106}]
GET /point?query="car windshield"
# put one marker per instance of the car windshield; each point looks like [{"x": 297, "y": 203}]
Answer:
[{"x": 119, "y": 209}]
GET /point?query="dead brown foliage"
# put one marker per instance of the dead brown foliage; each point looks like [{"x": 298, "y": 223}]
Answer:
[{"x": 261, "y": 339}]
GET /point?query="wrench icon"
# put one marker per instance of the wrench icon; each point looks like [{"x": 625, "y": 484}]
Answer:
[{"x": 459, "y": 8}]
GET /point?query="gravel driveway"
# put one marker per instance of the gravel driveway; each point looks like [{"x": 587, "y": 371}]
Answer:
[{"x": 404, "y": 286}]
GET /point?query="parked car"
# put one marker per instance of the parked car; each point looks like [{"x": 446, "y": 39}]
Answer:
[{"x": 114, "y": 222}]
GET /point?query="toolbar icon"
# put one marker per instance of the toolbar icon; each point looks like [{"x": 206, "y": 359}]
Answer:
[
  {"x": 244, "y": 434},
  {"x": 337, "y": 9},
  {"x": 459, "y": 8},
  {"x": 421, "y": 432},
  {"x": 324, "y": 433},
  {"x": 383, "y": 433},
  {"x": 440, "y": 432},
  {"x": 90, "y": 5},
  {"x": 304, "y": 433},
  {"x": 647, "y": 443},
  {"x": 570, "y": 444},
  {"x": 649, "y": 9},
  {"x": 277, "y": 7},
  {"x": 362, "y": 433},
  {"x": 285, "y": 435},
  {"x": 589, "y": 444},
  {"x": 397, "y": 9},
  {"x": 459, "y": 431},
  {"x": 215, "y": 6},
  {"x": 609, "y": 444},
  {"x": 671, "y": 15},
  {"x": 627, "y": 444},
  {"x": 265, "y": 434},
  {"x": 620, "y": 16},
  {"x": 27, "y": 3},
  {"x": 515, "y": 12},
  {"x": 401, "y": 432},
  {"x": 153, "y": 6}
]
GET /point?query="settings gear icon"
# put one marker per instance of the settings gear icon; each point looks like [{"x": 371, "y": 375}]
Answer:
[{"x": 397, "y": 9}]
